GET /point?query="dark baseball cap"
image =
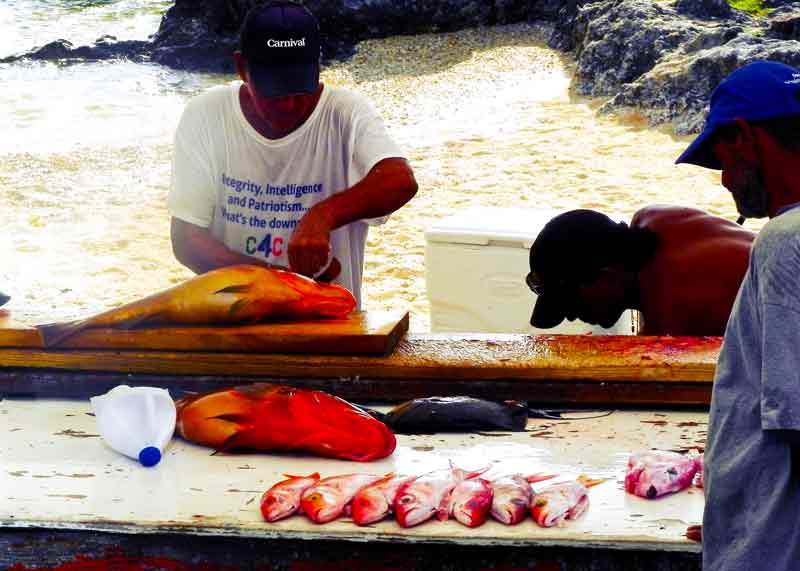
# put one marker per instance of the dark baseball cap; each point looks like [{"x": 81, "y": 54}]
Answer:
[
  {"x": 756, "y": 92},
  {"x": 569, "y": 251},
  {"x": 281, "y": 42}
]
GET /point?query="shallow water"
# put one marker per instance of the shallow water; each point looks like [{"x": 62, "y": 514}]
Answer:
[{"x": 486, "y": 117}]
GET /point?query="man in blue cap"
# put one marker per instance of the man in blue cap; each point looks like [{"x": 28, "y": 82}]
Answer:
[
  {"x": 279, "y": 169},
  {"x": 752, "y": 459}
]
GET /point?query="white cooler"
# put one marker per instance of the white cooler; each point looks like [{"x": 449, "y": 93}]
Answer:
[{"x": 475, "y": 267}]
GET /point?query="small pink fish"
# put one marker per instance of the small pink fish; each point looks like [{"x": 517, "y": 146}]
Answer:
[
  {"x": 283, "y": 499},
  {"x": 417, "y": 501},
  {"x": 512, "y": 497},
  {"x": 471, "y": 501},
  {"x": 559, "y": 502},
  {"x": 375, "y": 502},
  {"x": 330, "y": 497},
  {"x": 657, "y": 472}
]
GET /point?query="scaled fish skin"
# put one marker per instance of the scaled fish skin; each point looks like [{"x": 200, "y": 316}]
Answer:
[
  {"x": 562, "y": 501},
  {"x": 471, "y": 502},
  {"x": 417, "y": 501},
  {"x": 242, "y": 294},
  {"x": 283, "y": 499},
  {"x": 328, "y": 498},
  {"x": 264, "y": 416},
  {"x": 657, "y": 472},
  {"x": 376, "y": 501}
]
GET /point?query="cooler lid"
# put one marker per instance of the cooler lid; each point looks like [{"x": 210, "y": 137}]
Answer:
[{"x": 485, "y": 225}]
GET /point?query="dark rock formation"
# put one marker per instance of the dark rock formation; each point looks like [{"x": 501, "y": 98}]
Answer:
[{"x": 665, "y": 59}]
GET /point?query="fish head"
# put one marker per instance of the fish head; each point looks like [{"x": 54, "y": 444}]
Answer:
[
  {"x": 474, "y": 510},
  {"x": 278, "y": 504},
  {"x": 212, "y": 419},
  {"x": 369, "y": 505},
  {"x": 412, "y": 507},
  {"x": 322, "y": 504}
]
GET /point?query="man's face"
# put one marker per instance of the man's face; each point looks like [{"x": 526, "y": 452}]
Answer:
[
  {"x": 743, "y": 179},
  {"x": 281, "y": 113},
  {"x": 600, "y": 302}
]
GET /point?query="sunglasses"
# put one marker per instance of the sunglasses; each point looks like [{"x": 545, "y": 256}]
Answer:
[{"x": 555, "y": 287}]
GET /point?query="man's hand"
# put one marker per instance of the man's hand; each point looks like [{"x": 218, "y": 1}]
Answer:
[{"x": 310, "y": 244}]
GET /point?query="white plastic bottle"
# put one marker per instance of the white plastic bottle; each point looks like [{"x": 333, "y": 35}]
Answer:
[{"x": 137, "y": 422}]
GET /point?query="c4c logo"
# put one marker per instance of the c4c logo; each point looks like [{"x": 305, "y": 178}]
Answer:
[{"x": 269, "y": 246}]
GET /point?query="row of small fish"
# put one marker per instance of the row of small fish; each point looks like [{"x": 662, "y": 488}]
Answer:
[
  {"x": 445, "y": 493},
  {"x": 654, "y": 473}
]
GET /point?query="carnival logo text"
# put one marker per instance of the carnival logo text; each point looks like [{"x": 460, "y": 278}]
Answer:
[{"x": 286, "y": 43}]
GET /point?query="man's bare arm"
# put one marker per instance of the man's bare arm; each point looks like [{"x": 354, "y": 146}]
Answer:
[
  {"x": 387, "y": 187},
  {"x": 198, "y": 250}
]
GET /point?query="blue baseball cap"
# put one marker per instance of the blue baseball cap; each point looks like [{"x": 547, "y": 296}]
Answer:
[
  {"x": 758, "y": 91},
  {"x": 281, "y": 41}
]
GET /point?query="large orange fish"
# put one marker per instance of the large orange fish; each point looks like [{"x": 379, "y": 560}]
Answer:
[
  {"x": 278, "y": 417},
  {"x": 232, "y": 295}
]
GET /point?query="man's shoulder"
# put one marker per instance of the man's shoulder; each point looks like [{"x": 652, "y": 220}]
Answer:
[
  {"x": 780, "y": 232},
  {"x": 347, "y": 101},
  {"x": 666, "y": 213}
]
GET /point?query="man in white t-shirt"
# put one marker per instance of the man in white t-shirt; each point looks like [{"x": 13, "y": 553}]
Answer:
[{"x": 278, "y": 169}]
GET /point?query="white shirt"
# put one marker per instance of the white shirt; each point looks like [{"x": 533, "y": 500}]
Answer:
[{"x": 251, "y": 191}]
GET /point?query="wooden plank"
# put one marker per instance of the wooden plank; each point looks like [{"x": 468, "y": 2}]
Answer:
[
  {"x": 369, "y": 333},
  {"x": 49, "y": 383},
  {"x": 434, "y": 357}
]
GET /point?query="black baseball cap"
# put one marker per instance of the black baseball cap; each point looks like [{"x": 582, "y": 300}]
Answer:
[
  {"x": 569, "y": 251},
  {"x": 281, "y": 42}
]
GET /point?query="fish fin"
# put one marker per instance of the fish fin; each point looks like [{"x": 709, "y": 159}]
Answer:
[
  {"x": 314, "y": 476},
  {"x": 242, "y": 288},
  {"x": 533, "y": 478},
  {"x": 54, "y": 333},
  {"x": 590, "y": 482},
  {"x": 239, "y": 304},
  {"x": 232, "y": 441}
]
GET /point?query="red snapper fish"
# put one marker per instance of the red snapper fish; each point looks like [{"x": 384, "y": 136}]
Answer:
[
  {"x": 283, "y": 499},
  {"x": 240, "y": 294},
  {"x": 512, "y": 496},
  {"x": 376, "y": 501},
  {"x": 657, "y": 472},
  {"x": 264, "y": 416},
  {"x": 428, "y": 495},
  {"x": 330, "y": 497},
  {"x": 471, "y": 502},
  {"x": 699, "y": 480},
  {"x": 562, "y": 501}
]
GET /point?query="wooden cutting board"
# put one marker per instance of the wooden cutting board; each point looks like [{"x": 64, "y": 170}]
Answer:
[{"x": 370, "y": 333}]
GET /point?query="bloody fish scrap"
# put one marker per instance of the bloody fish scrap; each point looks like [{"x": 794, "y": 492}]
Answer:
[{"x": 654, "y": 473}]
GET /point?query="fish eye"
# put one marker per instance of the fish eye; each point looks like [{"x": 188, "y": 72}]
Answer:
[
  {"x": 313, "y": 497},
  {"x": 406, "y": 499}
]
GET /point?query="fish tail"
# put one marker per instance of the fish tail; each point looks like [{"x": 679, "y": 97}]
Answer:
[
  {"x": 54, "y": 333},
  {"x": 590, "y": 482}
]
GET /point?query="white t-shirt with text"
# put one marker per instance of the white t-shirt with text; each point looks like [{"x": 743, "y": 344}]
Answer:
[{"x": 251, "y": 191}]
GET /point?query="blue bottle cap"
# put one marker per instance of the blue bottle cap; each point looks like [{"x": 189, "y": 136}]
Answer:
[{"x": 150, "y": 456}]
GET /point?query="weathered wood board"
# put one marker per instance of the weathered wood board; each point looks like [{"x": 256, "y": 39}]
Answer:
[{"x": 365, "y": 333}]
